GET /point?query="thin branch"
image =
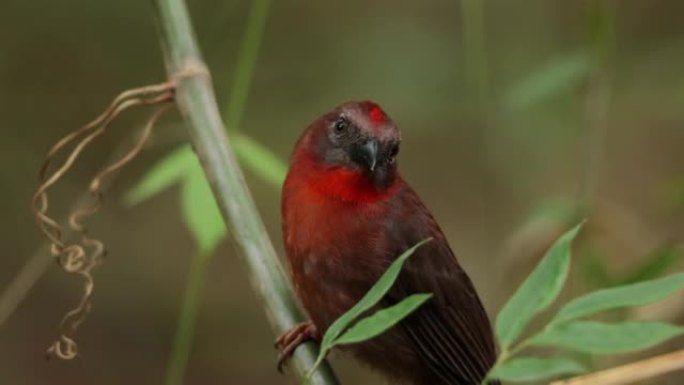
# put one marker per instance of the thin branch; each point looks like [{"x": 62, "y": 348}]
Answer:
[
  {"x": 197, "y": 102},
  {"x": 192, "y": 297},
  {"x": 476, "y": 75},
  {"x": 246, "y": 62},
  {"x": 630, "y": 373},
  {"x": 23, "y": 281},
  {"x": 600, "y": 21}
]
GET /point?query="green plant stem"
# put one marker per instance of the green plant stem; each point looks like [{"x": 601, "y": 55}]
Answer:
[
  {"x": 474, "y": 50},
  {"x": 23, "y": 281},
  {"x": 233, "y": 116},
  {"x": 476, "y": 74},
  {"x": 185, "y": 329},
  {"x": 197, "y": 103},
  {"x": 246, "y": 63},
  {"x": 600, "y": 21},
  {"x": 505, "y": 355}
]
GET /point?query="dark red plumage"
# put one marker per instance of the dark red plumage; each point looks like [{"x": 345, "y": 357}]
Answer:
[{"x": 347, "y": 214}]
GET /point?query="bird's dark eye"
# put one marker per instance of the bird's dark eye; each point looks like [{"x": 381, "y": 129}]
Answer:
[
  {"x": 341, "y": 125},
  {"x": 393, "y": 153}
]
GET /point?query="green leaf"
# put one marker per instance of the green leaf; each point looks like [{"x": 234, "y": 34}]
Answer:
[
  {"x": 171, "y": 169},
  {"x": 201, "y": 213},
  {"x": 532, "y": 369},
  {"x": 657, "y": 263},
  {"x": 595, "y": 269},
  {"x": 558, "y": 210},
  {"x": 260, "y": 160},
  {"x": 674, "y": 192},
  {"x": 602, "y": 338},
  {"x": 374, "y": 295},
  {"x": 381, "y": 320},
  {"x": 199, "y": 209},
  {"x": 636, "y": 294},
  {"x": 537, "y": 292},
  {"x": 555, "y": 78}
]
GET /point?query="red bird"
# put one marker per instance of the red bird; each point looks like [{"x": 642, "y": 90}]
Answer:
[{"x": 347, "y": 214}]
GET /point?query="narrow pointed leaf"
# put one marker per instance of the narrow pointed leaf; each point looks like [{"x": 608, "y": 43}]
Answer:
[
  {"x": 259, "y": 160},
  {"x": 534, "y": 369},
  {"x": 171, "y": 169},
  {"x": 595, "y": 269},
  {"x": 374, "y": 295},
  {"x": 382, "y": 320},
  {"x": 636, "y": 294},
  {"x": 655, "y": 265},
  {"x": 603, "y": 338},
  {"x": 201, "y": 213},
  {"x": 556, "y": 78},
  {"x": 538, "y": 291}
]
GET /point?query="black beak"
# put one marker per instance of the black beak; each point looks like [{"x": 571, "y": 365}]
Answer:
[{"x": 367, "y": 153}]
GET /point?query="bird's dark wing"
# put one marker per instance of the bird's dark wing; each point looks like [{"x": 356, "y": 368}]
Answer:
[{"x": 450, "y": 333}]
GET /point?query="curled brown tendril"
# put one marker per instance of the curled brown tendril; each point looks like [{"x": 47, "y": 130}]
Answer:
[{"x": 82, "y": 256}]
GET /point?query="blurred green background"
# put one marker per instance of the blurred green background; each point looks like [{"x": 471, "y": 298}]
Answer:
[{"x": 517, "y": 119}]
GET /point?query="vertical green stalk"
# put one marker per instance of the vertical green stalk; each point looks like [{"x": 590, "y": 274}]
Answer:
[
  {"x": 475, "y": 52},
  {"x": 197, "y": 103},
  {"x": 23, "y": 281},
  {"x": 246, "y": 63},
  {"x": 185, "y": 329},
  {"x": 192, "y": 297},
  {"x": 476, "y": 74},
  {"x": 252, "y": 154},
  {"x": 600, "y": 21}
]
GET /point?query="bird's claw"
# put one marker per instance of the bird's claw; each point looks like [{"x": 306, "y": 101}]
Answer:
[{"x": 288, "y": 342}]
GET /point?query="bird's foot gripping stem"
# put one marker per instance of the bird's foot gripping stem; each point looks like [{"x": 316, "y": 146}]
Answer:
[{"x": 288, "y": 342}]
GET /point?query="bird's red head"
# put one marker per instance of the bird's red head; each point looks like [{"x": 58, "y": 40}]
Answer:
[{"x": 356, "y": 140}]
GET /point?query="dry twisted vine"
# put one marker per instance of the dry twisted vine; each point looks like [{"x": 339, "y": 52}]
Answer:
[{"x": 81, "y": 257}]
